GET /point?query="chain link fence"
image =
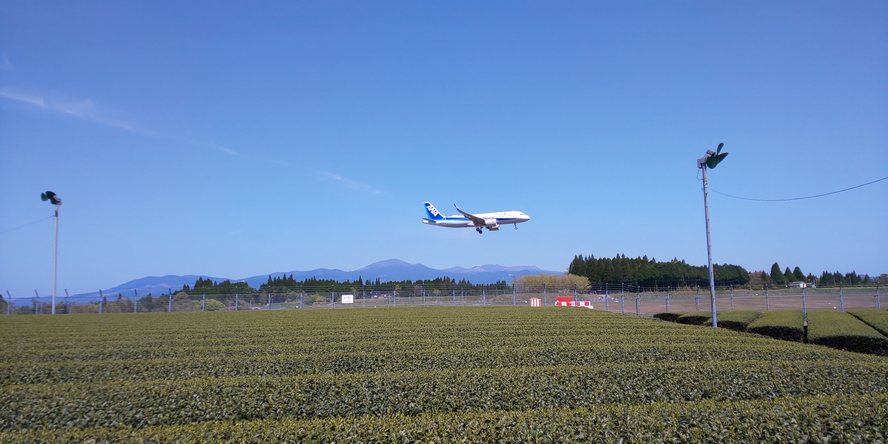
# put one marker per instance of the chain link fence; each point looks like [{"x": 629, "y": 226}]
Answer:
[{"x": 622, "y": 299}]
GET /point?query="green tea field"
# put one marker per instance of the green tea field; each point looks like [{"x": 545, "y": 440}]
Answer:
[{"x": 425, "y": 374}]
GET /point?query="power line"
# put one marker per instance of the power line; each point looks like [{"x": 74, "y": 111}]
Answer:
[
  {"x": 25, "y": 225},
  {"x": 802, "y": 198}
]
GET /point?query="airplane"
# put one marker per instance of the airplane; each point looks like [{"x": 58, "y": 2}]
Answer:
[{"x": 491, "y": 221}]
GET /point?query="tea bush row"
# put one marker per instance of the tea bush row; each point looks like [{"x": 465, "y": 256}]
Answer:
[
  {"x": 608, "y": 351},
  {"x": 860, "y": 330},
  {"x": 185, "y": 347},
  {"x": 877, "y": 319},
  {"x": 844, "y": 331},
  {"x": 64, "y": 334},
  {"x": 170, "y": 402},
  {"x": 737, "y": 320},
  {"x": 837, "y": 418},
  {"x": 787, "y": 325}
]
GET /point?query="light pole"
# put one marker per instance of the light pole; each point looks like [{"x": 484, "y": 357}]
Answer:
[
  {"x": 55, "y": 200},
  {"x": 711, "y": 159}
]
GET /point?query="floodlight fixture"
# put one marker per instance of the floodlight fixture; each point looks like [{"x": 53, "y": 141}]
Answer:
[
  {"x": 712, "y": 158},
  {"x": 50, "y": 196}
]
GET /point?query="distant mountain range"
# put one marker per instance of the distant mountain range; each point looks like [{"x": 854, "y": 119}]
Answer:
[{"x": 390, "y": 270}]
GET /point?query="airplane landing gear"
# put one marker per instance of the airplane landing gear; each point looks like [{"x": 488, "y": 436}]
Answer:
[{"x": 479, "y": 230}]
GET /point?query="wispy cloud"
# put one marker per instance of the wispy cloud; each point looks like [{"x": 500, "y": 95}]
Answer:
[
  {"x": 223, "y": 149},
  {"x": 88, "y": 110},
  {"x": 84, "y": 109},
  {"x": 33, "y": 100},
  {"x": 353, "y": 183},
  {"x": 5, "y": 64},
  {"x": 212, "y": 145}
]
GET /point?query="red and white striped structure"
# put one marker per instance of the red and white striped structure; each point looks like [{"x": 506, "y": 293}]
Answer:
[
  {"x": 536, "y": 302},
  {"x": 564, "y": 301},
  {"x": 568, "y": 301}
]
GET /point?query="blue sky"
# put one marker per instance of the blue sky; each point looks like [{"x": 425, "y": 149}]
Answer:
[{"x": 235, "y": 139}]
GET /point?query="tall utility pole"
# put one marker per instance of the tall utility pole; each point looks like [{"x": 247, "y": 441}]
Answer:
[
  {"x": 55, "y": 200},
  {"x": 711, "y": 159}
]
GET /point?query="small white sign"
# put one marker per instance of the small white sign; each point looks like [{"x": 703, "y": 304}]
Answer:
[{"x": 348, "y": 299}]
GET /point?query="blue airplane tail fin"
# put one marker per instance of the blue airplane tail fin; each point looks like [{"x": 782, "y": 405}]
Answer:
[{"x": 431, "y": 212}]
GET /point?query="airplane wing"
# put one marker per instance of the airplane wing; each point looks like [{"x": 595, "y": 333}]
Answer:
[{"x": 477, "y": 221}]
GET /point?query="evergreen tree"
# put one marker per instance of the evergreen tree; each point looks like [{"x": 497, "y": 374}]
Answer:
[
  {"x": 617, "y": 271},
  {"x": 577, "y": 266},
  {"x": 765, "y": 278},
  {"x": 788, "y": 276},
  {"x": 826, "y": 279},
  {"x": 797, "y": 273},
  {"x": 777, "y": 276}
]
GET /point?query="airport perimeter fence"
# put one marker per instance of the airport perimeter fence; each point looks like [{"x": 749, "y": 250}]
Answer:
[{"x": 631, "y": 301}]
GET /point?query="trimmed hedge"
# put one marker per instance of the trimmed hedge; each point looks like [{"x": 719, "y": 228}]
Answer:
[
  {"x": 735, "y": 320},
  {"x": 175, "y": 402},
  {"x": 786, "y": 325},
  {"x": 844, "y": 331},
  {"x": 424, "y": 374},
  {"x": 854, "y": 418},
  {"x": 671, "y": 317},
  {"x": 877, "y": 319},
  {"x": 680, "y": 346},
  {"x": 695, "y": 318}
]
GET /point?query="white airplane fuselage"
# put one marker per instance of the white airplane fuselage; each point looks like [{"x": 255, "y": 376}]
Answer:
[{"x": 490, "y": 221}]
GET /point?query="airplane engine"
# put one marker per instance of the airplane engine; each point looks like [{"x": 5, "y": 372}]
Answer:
[{"x": 491, "y": 224}]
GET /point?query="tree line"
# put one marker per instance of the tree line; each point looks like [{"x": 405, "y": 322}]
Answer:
[
  {"x": 286, "y": 284},
  {"x": 643, "y": 272},
  {"x": 310, "y": 290},
  {"x": 826, "y": 279},
  {"x": 649, "y": 273}
]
